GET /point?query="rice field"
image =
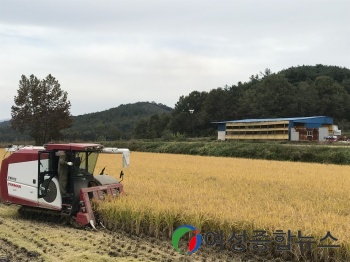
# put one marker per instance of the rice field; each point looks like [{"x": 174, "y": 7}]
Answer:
[
  {"x": 213, "y": 193},
  {"x": 164, "y": 191}
]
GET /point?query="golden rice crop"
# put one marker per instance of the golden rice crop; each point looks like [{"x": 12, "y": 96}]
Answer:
[{"x": 215, "y": 193}]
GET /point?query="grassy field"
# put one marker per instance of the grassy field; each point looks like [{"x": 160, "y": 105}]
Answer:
[{"x": 164, "y": 191}]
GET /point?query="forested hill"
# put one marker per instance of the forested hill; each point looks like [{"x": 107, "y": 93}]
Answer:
[
  {"x": 293, "y": 92},
  {"x": 298, "y": 74},
  {"x": 111, "y": 124},
  {"x": 114, "y": 123}
]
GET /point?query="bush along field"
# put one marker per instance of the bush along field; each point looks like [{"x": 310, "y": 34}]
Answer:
[
  {"x": 226, "y": 195},
  {"x": 315, "y": 153}
]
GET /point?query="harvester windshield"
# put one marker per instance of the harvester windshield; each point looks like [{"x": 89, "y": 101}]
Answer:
[{"x": 87, "y": 161}]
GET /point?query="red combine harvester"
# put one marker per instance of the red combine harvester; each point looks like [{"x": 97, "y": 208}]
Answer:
[{"x": 29, "y": 178}]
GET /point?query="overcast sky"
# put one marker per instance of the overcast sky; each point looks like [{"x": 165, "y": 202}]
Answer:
[{"x": 110, "y": 52}]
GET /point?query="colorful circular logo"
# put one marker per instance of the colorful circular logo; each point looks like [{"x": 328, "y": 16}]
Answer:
[{"x": 194, "y": 242}]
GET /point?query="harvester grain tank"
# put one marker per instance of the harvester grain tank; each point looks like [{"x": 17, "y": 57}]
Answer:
[{"x": 29, "y": 178}]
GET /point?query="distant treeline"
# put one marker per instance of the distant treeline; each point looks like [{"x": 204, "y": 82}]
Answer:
[
  {"x": 280, "y": 151},
  {"x": 295, "y": 92},
  {"x": 270, "y": 151}
]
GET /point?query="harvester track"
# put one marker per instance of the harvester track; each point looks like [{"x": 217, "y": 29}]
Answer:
[
  {"x": 40, "y": 214},
  {"x": 49, "y": 216}
]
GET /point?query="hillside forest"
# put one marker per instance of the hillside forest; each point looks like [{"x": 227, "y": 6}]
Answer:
[{"x": 294, "y": 92}]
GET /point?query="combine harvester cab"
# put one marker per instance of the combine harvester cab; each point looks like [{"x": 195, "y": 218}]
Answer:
[{"x": 29, "y": 178}]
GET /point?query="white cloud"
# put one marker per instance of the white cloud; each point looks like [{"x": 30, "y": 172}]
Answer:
[{"x": 105, "y": 53}]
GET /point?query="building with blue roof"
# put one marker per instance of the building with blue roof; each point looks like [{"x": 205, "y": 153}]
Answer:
[{"x": 315, "y": 128}]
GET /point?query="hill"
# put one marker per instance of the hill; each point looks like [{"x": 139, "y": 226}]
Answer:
[
  {"x": 114, "y": 123},
  {"x": 293, "y": 92},
  {"x": 111, "y": 124}
]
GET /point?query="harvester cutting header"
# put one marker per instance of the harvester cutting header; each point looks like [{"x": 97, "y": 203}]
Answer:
[{"x": 31, "y": 177}]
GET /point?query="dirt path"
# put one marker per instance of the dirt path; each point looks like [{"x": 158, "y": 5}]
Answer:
[{"x": 26, "y": 240}]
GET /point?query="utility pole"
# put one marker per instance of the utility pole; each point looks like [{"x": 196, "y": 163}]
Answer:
[{"x": 191, "y": 112}]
